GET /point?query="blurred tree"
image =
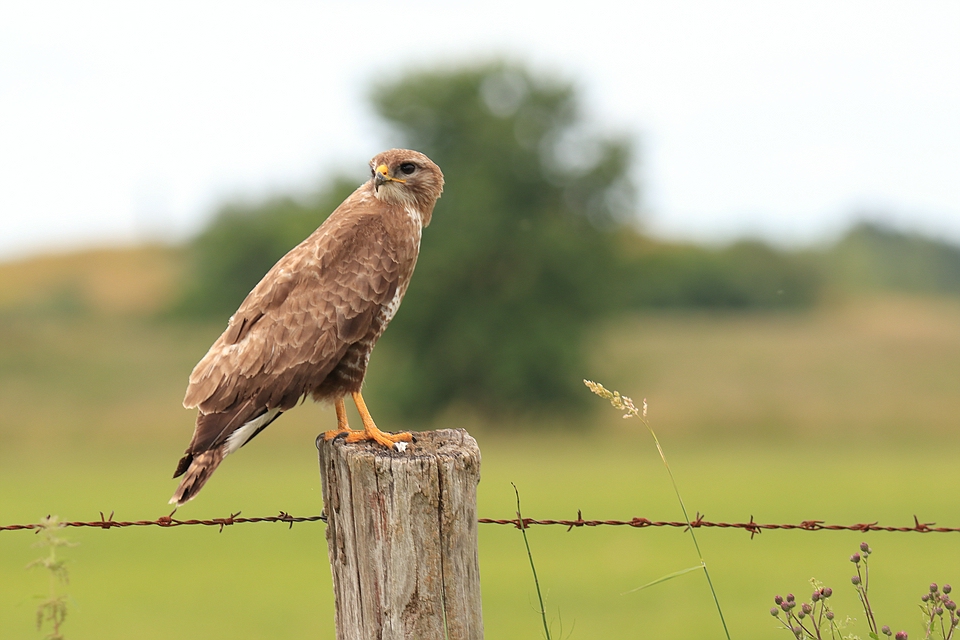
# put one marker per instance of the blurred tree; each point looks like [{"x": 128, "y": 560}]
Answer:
[
  {"x": 530, "y": 245},
  {"x": 521, "y": 255},
  {"x": 241, "y": 244}
]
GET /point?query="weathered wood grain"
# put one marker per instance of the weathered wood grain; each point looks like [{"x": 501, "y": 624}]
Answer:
[{"x": 402, "y": 537}]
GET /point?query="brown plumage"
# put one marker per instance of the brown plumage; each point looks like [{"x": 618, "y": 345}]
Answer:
[{"x": 309, "y": 326}]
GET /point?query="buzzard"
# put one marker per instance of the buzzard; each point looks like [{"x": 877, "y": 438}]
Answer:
[{"x": 309, "y": 326}]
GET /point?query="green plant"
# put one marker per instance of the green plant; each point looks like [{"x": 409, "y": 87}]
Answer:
[
  {"x": 815, "y": 618},
  {"x": 536, "y": 581},
  {"x": 53, "y": 608},
  {"x": 625, "y": 404}
]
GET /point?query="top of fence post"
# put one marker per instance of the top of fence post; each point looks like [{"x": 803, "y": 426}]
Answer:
[{"x": 402, "y": 537}]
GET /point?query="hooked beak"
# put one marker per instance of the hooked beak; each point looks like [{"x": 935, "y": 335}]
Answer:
[{"x": 381, "y": 176}]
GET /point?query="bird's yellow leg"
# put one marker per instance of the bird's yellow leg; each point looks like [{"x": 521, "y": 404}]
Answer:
[
  {"x": 370, "y": 430},
  {"x": 342, "y": 426}
]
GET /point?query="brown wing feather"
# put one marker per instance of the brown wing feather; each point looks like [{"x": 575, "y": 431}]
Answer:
[{"x": 296, "y": 324}]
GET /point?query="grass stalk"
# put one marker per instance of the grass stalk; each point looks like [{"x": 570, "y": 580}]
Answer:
[
  {"x": 536, "y": 582},
  {"x": 624, "y": 403}
]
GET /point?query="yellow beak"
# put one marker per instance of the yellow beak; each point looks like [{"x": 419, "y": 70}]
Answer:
[{"x": 382, "y": 175}]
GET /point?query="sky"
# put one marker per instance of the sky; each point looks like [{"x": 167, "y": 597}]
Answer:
[{"x": 124, "y": 122}]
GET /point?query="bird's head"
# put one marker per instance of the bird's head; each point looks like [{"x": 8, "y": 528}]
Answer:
[{"x": 408, "y": 178}]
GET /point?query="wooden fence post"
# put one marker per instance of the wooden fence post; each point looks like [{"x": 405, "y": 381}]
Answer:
[{"x": 402, "y": 537}]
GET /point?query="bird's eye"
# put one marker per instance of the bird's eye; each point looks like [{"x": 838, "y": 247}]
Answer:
[{"x": 407, "y": 168}]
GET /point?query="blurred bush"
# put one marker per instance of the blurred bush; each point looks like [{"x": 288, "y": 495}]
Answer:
[
  {"x": 745, "y": 275},
  {"x": 873, "y": 257}
]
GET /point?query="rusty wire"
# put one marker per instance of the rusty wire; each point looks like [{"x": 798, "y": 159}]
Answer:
[
  {"x": 753, "y": 527},
  {"x": 107, "y": 522}
]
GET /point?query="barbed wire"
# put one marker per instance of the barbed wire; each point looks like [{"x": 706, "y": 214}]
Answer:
[
  {"x": 107, "y": 522},
  {"x": 753, "y": 527}
]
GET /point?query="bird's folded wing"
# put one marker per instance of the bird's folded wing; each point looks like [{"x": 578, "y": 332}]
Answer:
[{"x": 296, "y": 324}]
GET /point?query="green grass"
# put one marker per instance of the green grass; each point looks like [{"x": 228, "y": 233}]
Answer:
[
  {"x": 845, "y": 414},
  {"x": 262, "y": 581}
]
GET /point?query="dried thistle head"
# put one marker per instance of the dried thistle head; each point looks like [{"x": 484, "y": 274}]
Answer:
[{"x": 48, "y": 537}]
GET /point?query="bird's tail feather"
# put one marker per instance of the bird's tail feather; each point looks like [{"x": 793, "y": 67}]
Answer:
[{"x": 201, "y": 468}]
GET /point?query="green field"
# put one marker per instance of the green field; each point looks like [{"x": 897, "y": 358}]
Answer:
[{"x": 848, "y": 413}]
